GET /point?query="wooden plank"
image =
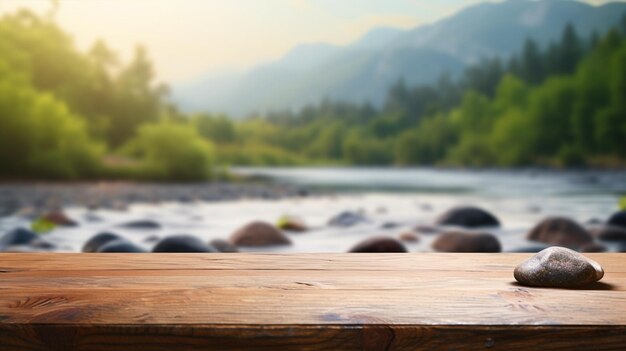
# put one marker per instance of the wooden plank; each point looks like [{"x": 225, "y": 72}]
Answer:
[
  {"x": 613, "y": 262},
  {"x": 308, "y": 302}
]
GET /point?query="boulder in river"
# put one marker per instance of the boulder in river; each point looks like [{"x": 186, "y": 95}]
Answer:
[
  {"x": 182, "y": 243},
  {"x": 17, "y": 236},
  {"x": 558, "y": 267},
  {"x": 347, "y": 219},
  {"x": 292, "y": 224},
  {"x": 121, "y": 246},
  {"x": 257, "y": 234},
  {"x": 223, "y": 246},
  {"x": 379, "y": 244},
  {"x": 409, "y": 237},
  {"x": 98, "y": 240},
  {"x": 466, "y": 242},
  {"x": 609, "y": 233},
  {"x": 59, "y": 218},
  {"x": 560, "y": 231},
  {"x": 618, "y": 219},
  {"x": 469, "y": 217},
  {"x": 141, "y": 224}
]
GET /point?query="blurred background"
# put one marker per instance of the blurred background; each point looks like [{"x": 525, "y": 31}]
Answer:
[{"x": 517, "y": 106}]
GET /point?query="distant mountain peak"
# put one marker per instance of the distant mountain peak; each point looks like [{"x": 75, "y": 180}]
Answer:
[{"x": 365, "y": 69}]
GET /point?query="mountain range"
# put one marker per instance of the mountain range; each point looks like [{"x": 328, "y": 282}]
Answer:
[{"x": 364, "y": 70}]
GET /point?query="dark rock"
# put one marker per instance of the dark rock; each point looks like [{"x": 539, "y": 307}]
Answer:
[
  {"x": 292, "y": 224},
  {"x": 409, "y": 237},
  {"x": 347, "y": 219},
  {"x": 390, "y": 225},
  {"x": 609, "y": 233},
  {"x": 182, "y": 243},
  {"x": 92, "y": 217},
  {"x": 223, "y": 246},
  {"x": 120, "y": 245},
  {"x": 466, "y": 242},
  {"x": 59, "y": 218},
  {"x": 42, "y": 244},
  {"x": 558, "y": 267},
  {"x": 379, "y": 244},
  {"x": 259, "y": 234},
  {"x": 141, "y": 224},
  {"x": 529, "y": 249},
  {"x": 560, "y": 231},
  {"x": 618, "y": 219},
  {"x": 470, "y": 217},
  {"x": 18, "y": 236},
  {"x": 98, "y": 240}
]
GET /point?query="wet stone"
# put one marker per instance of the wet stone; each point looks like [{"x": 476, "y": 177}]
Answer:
[
  {"x": 558, "y": 267},
  {"x": 379, "y": 244},
  {"x": 469, "y": 217},
  {"x": 120, "y": 245},
  {"x": 223, "y": 245},
  {"x": 182, "y": 243},
  {"x": 99, "y": 240}
]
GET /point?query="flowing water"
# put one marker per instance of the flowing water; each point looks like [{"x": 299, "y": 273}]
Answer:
[{"x": 394, "y": 201}]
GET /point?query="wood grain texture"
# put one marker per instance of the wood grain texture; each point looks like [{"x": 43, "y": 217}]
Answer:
[{"x": 303, "y": 302}]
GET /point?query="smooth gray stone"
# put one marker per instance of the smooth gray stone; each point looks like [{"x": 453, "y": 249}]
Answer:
[{"x": 558, "y": 267}]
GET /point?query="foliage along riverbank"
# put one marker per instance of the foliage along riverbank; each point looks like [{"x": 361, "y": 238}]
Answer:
[{"x": 71, "y": 115}]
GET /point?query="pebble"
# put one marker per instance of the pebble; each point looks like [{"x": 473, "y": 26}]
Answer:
[
  {"x": 259, "y": 234},
  {"x": 223, "y": 245},
  {"x": 558, "y": 267},
  {"x": 347, "y": 219},
  {"x": 470, "y": 217},
  {"x": 18, "y": 236},
  {"x": 99, "y": 240},
  {"x": 618, "y": 219},
  {"x": 182, "y": 243},
  {"x": 560, "y": 231},
  {"x": 379, "y": 244},
  {"x": 141, "y": 224},
  {"x": 120, "y": 245},
  {"x": 466, "y": 242}
]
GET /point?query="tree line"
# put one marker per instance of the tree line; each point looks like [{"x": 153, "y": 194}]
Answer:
[{"x": 72, "y": 115}]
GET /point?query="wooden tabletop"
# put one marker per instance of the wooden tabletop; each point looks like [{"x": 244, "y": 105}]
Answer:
[{"x": 303, "y": 301}]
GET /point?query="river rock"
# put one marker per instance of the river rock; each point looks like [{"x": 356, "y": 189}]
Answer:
[
  {"x": 182, "y": 243},
  {"x": 120, "y": 245},
  {"x": 409, "y": 237},
  {"x": 618, "y": 219},
  {"x": 466, "y": 242},
  {"x": 223, "y": 246},
  {"x": 98, "y": 240},
  {"x": 379, "y": 244},
  {"x": 609, "y": 233},
  {"x": 347, "y": 219},
  {"x": 292, "y": 224},
  {"x": 259, "y": 234},
  {"x": 558, "y": 267},
  {"x": 59, "y": 218},
  {"x": 560, "y": 231},
  {"x": 17, "y": 236},
  {"x": 141, "y": 224},
  {"x": 470, "y": 217}
]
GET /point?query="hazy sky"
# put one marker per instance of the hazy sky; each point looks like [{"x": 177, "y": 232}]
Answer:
[{"x": 189, "y": 37}]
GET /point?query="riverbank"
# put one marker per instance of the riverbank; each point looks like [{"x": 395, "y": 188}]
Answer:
[{"x": 30, "y": 198}]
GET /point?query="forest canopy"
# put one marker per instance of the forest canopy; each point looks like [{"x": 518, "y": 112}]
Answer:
[{"x": 71, "y": 115}]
